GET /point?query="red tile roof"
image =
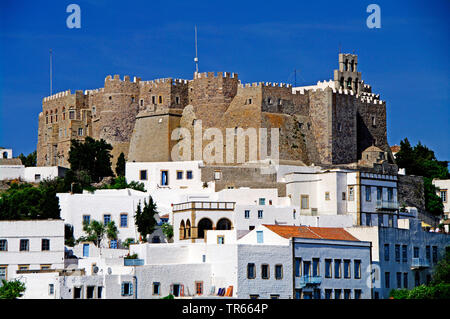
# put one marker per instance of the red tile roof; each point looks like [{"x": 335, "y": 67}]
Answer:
[
  {"x": 395, "y": 148},
  {"x": 165, "y": 216},
  {"x": 311, "y": 232}
]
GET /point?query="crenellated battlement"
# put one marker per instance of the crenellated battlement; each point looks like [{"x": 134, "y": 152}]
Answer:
[
  {"x": 209, "y": 75},
  {"x": 56, "y": 96},
  {"x": 126, "y": 78},
  {"x": 170, "y": 81},
  {"x": 93, "y": 91}
]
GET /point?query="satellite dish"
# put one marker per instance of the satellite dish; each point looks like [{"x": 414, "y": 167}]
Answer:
[
  {"x": 95, "y": 270},
  {"x": 109, "y": 271}
]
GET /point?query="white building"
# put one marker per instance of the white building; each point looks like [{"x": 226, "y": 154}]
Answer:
[
  {"x": 13, "y": 169},
  {"x": 405, "y": 256},
  {"x": 443, "y": 185},
  {"x": 30, "y": 245},
  {"x": 324, "y": 262},
  {"x": 6, "y": 153}
]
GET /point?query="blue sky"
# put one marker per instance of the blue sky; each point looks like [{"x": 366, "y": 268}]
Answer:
[{"x": 406, "y": 61}]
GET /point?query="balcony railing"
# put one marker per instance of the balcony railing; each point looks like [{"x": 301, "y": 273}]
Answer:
[
  {"x": 204, "y": 206},
  {"x": 133, "y": 262},
  {"x": 304, "y": 281},
  {"x": 417, "y": 263},
  {"x": 383, "y": 204}
]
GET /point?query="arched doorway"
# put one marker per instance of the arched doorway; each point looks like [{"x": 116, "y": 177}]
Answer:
[
  {"x": 204, "y": 224},
  {"x": 188, "y": 229},
  {"x": 182, "y": 230},
  {"x": 223, "y": 224},
  {"x": 5, "y": 154}
]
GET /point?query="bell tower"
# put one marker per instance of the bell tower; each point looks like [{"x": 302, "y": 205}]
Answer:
[{"x": 347, "y": 76}]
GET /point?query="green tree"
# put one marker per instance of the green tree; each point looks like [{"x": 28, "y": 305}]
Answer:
[
  {"x": 111, "y": 231},
  {"x": 24, "y": 201},
  {"x": 120, "y": 165},
  {"x": 420, "y": 160},
  {"x": 91, "y": 156},
  {"x": 95, "y": 231},
  {"x": 145, "y": 218},
  {"x": 29, "y": 160},
  {"x": 12, "y": 289},
  {"x": 167, "y": 230}
]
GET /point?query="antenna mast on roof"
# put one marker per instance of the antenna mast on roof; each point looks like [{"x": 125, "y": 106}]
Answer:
[
  {"x": 51, "y": 75},
  {"x": 196, "y": 55}
]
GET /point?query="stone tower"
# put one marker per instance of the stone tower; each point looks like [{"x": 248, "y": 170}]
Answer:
[{"x": 347, "y": 76}]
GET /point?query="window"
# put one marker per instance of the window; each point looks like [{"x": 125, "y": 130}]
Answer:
[
  {"x": 254, "y": 296},
  {"x": 351, "y": 193},
  {"x": 123, "y": 220},
  {"x": 347, "y": 293},
  {"x": 24, "y": 267},
  {"x": 315, "y": 269},
  {"x": 368, "y": 193},
  {"x": 397, "y": 253},
  {"x": 269, "y": 100},
  {"x": 80, "y": 132},
  {"x": 274, "y": 296},
  {"x": 106, "y": 219},
  {"x": 443, "y": 194},
  {"x": 153, "y": 99},
  {"x": 3, "y": 273},
  {"x": 357, "y": 293},
  {"x": 71, "y": 115},
  {"x": 217, "y": 175},
  {"x": 220, "y": 240},
  {"x": 179, "y": 174},
  {"x": 306, "y": 268},
  {"x": 45, "y": 244},
  {"x": 199, "y": 287},
  {"x": 156, "y": 288},
  {"x": 278, "y": 272},
  {"x": 77, "y": 293},
  {"x": 251, "y": 271},
  {"x": 416, "y": 252},
  {"x": 51, "y": 289},
  {"x": 327, "y": 268},
  {"x": 86, "y": 219},
  {"x": 387, "y": 279},
  {"x": 386, "y": 252},
  {"x": 262, "y": 201},
  {"x": 428, "y": 252},
  {"x": 3, "y": 245},
  {"x": 405, "y": 280},
  {"x": 399, "y": 280},
  {"x": 328, "y": 293},
  {"x": 316, "y": 293},
  {"x": 368, "y": 220},
  {"x": 164, "y": 178},
  {"x": 177, "y": 100},
  {"x": 260, "y": 214},
  {"x": 259, "y": 237},
  {"x": 390, "y": 194},
  {"x": 160, "y": 99},
  {"x": 90, "y": 292},
  {"x": 404, "y": 253},
  {"x": 265, "y": 271},
  {"x": 304, "y": 201},
  {"x": 346, "y": 268},
  {"x": 337, "y": 268},
  {"x": 24, "y": 245},
  {"x": 327, "y": 195},
  {"x": 337, "y": 294},
  {"x": 380, "y": 220},
  {"x": 374, "y": 121},
  {"x": 297, "y": 264},
  {"x": 379, "y": 193},
  {"x": 435, "y": 254},
  {"x": 246, "y": 214},
  {"x": 189, "y": 174},
  {"x": 343, "y": 195},
  {"x": 357, "y": 266},
  {"x": 340, "y": 127},
  {"x": 143, "y": 175},
  {"x": 127, "y": 289}
]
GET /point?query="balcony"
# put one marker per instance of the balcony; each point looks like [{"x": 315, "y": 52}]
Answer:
[
  {"x": 303, "y": 281},
  {"x": 133, "y": 262},
  {"x": 389, "y": 205},
  {"x": 204, "y": 206},
  {"x": 418, "y": 263}
]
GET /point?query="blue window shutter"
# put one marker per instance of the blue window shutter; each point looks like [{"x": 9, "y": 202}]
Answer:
[
  {"x": 131, "y": 289},
  {"x": 123, "y": 289},
  {"x": 259, "y": 237}
]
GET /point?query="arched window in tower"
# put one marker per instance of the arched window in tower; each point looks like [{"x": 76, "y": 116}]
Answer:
[
  {"x": 56, "y": 115},
  {"x": 356, "y": 85},
  {"x": 188, "y": 229},
  {"x": 5, "y": 154},
  {"x": 51, "y": 116},
  {"x": 349, "y": 83},
  {"x": 346, "y": 65},
  {"x": 352, "y": 66},
  {"x": 160, "y": 99},
  {"x": 63, "y": 113},
  {"x": 203, "y": 225},
  {"x": 342, "y": 82},
  {"x": 46, "y": 117}
]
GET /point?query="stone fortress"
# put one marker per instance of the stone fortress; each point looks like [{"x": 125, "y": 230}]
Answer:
[{"x": 337, "y": 122}]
